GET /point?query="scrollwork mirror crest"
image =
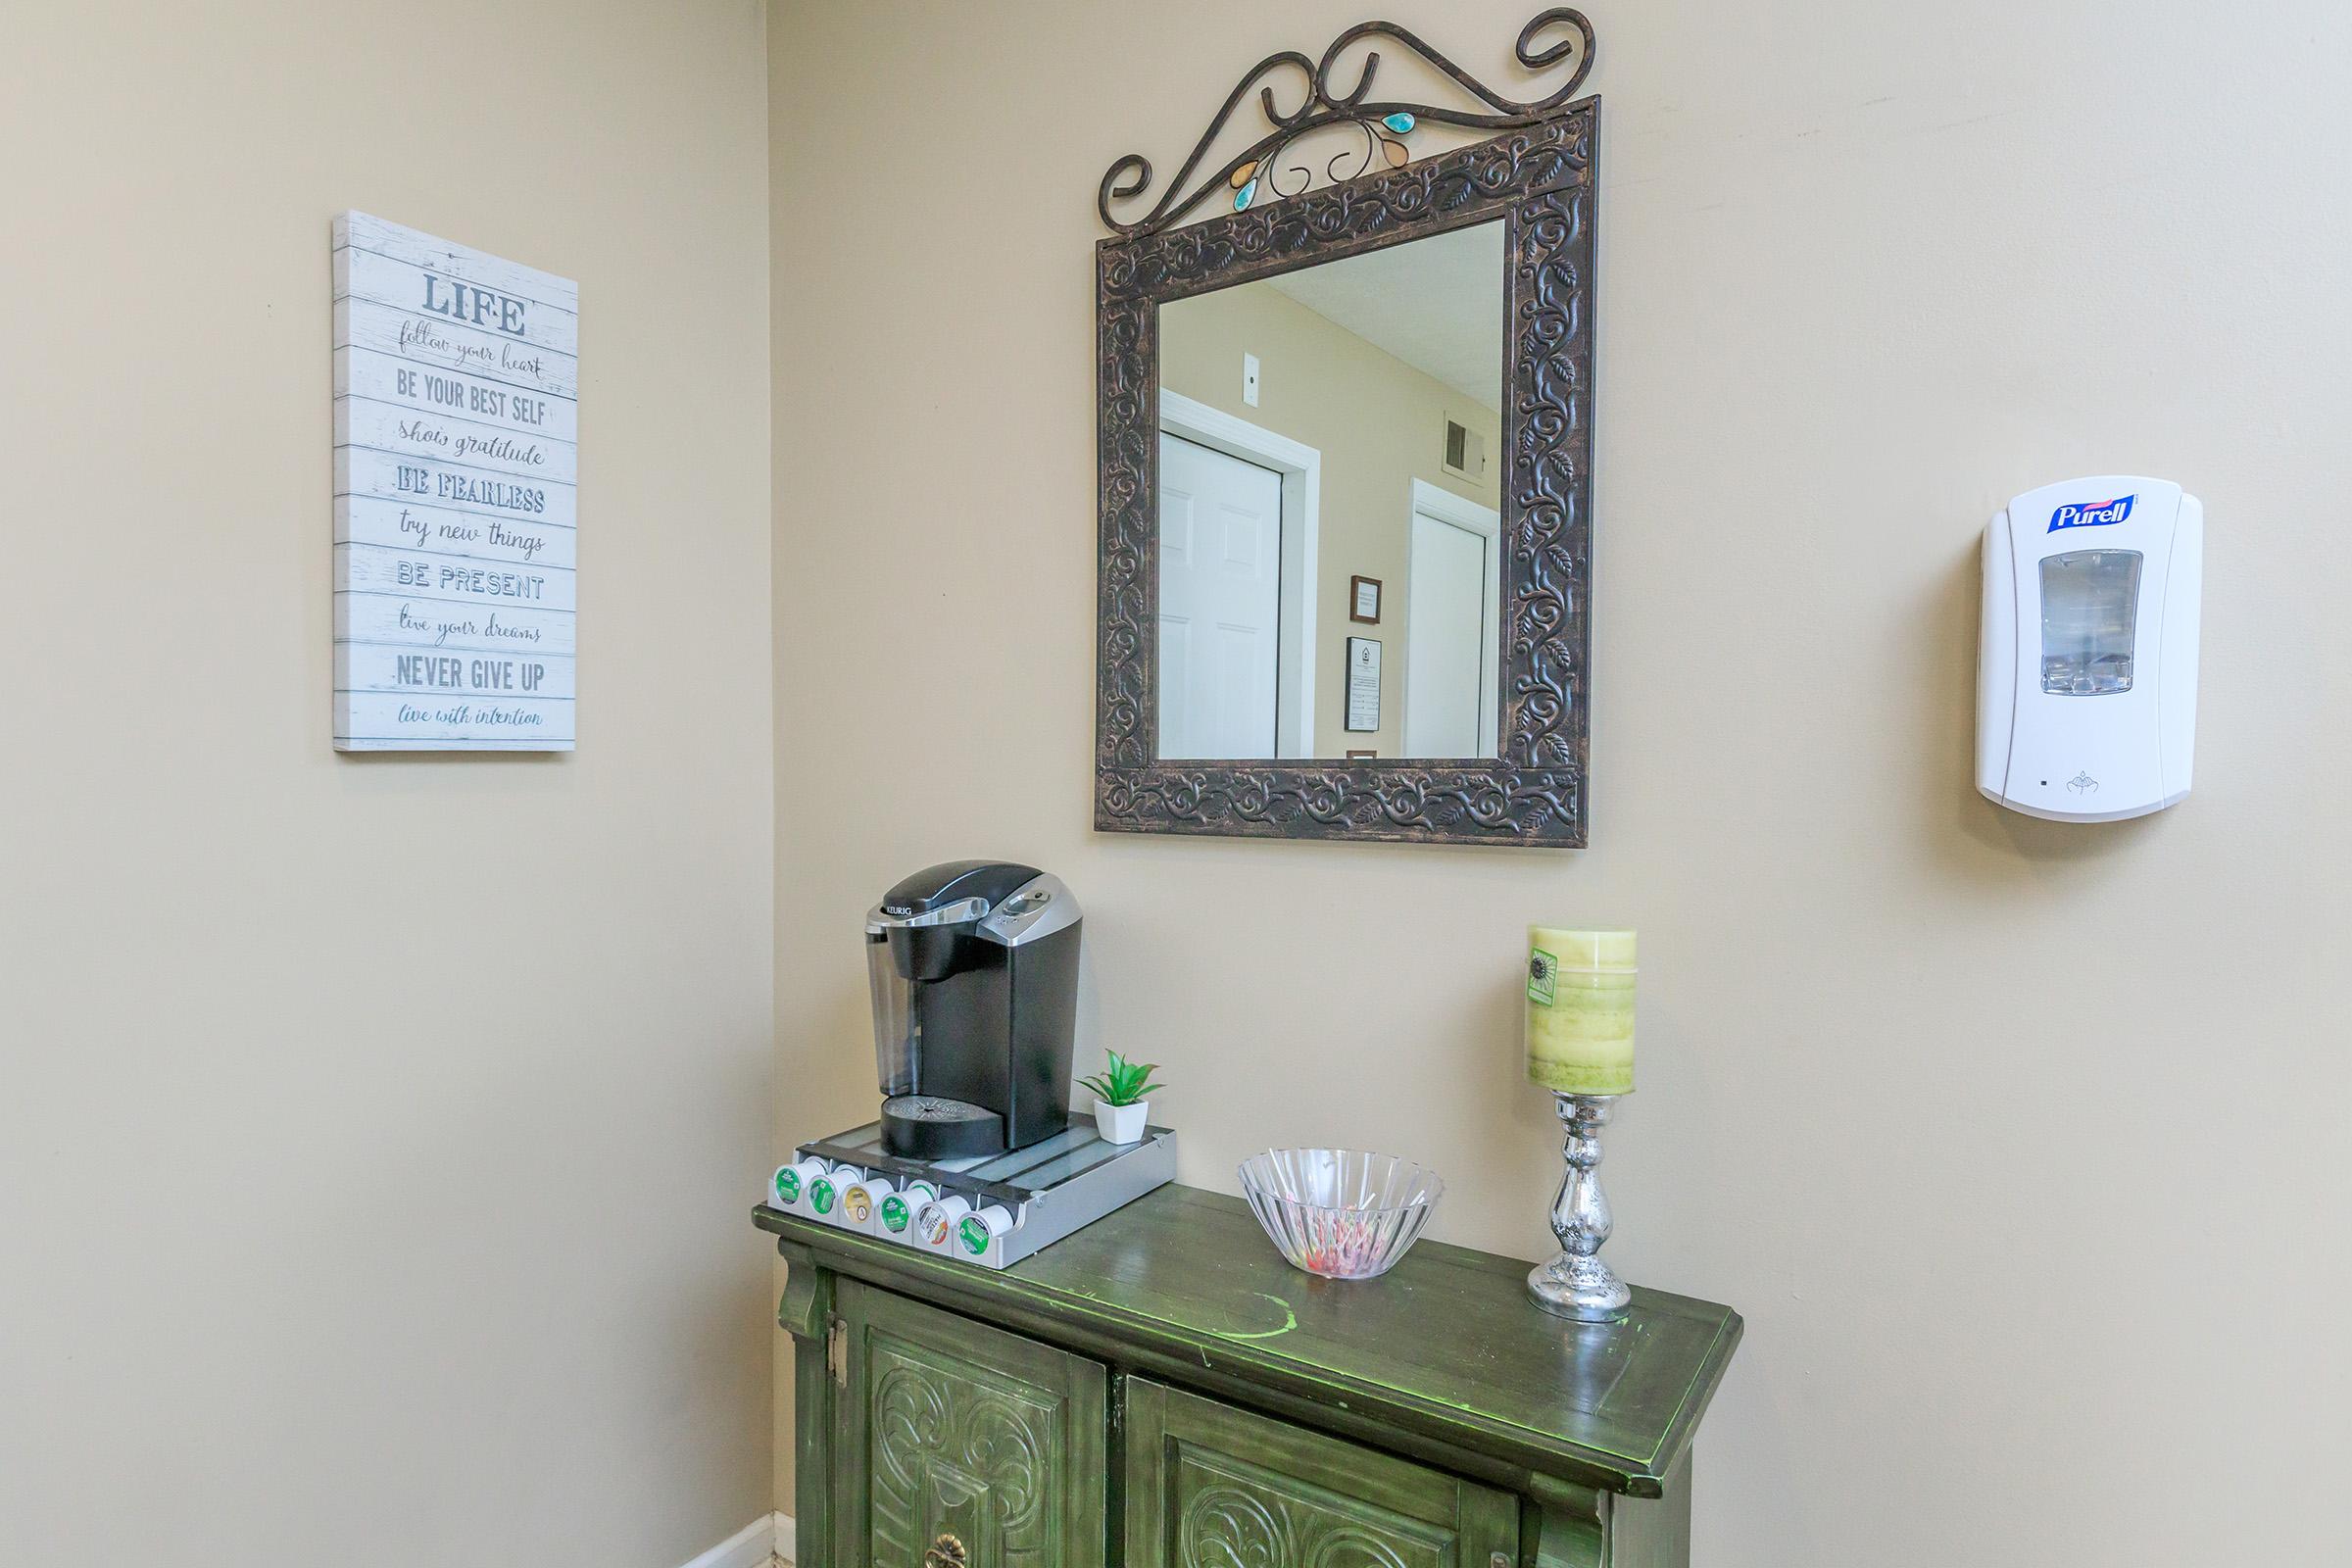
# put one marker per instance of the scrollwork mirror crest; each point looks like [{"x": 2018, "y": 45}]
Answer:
[{"x": 1534, "y": 183}]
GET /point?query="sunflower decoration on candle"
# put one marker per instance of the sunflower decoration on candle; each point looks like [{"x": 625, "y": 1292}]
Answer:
[{"x": 1580, "y": 1011}]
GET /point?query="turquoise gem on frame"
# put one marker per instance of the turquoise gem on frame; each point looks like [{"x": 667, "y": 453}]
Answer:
[
  {"x": 1399, "y": 121},
  {"x": 1241, "y": 198}
]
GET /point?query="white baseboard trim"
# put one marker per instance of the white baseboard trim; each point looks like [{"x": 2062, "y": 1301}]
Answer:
[{"x": 756, "y": 1545}]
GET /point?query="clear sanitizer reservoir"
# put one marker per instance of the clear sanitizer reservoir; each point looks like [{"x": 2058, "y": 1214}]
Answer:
[{"x": 2089, "y": 615}]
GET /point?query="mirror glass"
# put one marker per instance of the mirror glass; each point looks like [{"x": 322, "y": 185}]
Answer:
[{"x": 1330, "y": 550}]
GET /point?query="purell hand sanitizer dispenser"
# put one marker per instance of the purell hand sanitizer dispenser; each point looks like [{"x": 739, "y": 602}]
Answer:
[{"x": 2086, "y": 680}]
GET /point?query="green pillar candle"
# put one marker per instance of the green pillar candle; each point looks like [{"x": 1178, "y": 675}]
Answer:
[{"x": 1580, "y": 1011}]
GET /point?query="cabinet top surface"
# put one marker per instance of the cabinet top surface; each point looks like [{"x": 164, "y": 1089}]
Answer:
[{"x": 1446, "y": 1341}]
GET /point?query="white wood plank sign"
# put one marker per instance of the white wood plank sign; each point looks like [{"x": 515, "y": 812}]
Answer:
[{"x": 456, "y": 507}]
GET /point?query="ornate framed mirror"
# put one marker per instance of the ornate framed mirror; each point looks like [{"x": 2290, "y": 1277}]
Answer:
[{"x": 1366, "y": 365}]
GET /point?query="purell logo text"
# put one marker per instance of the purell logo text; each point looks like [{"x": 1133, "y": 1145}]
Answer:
[{"x": 2092, "y": 514}]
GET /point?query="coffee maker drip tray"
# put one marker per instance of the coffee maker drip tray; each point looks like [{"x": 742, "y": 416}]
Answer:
[{"x": 935, "y": 1127}]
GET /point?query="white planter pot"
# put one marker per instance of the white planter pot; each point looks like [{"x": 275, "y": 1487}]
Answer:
[{"x": 1121, "y": 1124}]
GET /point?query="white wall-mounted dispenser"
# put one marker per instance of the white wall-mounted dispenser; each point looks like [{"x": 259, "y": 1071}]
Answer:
[{"x": 2086, "y": 677}]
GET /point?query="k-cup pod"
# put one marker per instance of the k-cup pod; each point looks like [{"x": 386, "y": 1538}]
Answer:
[
  {"x": 789, "y": 1188},
  {"x": 861, "y": 1199},
  {"x": 894, "y": 1216},
  {"x": 977, "y": 1232},
  {"x": 935, "y": 1222},
  {"x": 824, "y": 1193}
]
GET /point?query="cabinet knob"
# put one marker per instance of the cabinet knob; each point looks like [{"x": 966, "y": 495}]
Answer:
[{"x": 946, "y": 1552}]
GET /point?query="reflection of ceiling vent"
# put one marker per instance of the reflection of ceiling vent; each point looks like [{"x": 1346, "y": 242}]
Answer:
[{"x": 1466, "y": 452}]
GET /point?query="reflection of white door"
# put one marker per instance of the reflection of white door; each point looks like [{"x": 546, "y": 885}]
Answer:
[
  {"x": 1220, "y": 601},
  {"x": 1453, "y": 590}
]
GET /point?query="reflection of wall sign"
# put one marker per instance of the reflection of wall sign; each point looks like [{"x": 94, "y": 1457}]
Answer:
[
  {"x": 1363, "y": 599},
  {"x": 1363, "y": 683},
  {"x": 457, "y": 392}
]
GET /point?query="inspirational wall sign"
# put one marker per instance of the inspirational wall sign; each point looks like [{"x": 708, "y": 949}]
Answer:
[{"x": 457, "y": 456}]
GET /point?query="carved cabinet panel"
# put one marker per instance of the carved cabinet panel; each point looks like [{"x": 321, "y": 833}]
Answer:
[
  {"x": 1208, "y": 1486},
  {"x": 959, "y": 1445}
]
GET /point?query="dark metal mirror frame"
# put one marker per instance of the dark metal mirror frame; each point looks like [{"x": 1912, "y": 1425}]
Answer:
[{"x": 1538, "y": 180}]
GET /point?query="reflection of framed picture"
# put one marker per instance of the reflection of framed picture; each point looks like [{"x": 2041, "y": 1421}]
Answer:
[
  {"x": 1363, "y": 599},
  {"x": 1360, "y": 757},
  {"x": 1363, "y": 683}
]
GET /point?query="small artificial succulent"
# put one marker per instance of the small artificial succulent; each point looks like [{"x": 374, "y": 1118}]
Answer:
[{"x": 1124, "y": 1082}]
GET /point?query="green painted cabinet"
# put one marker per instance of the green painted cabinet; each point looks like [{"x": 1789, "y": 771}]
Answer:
[
  {"x": 957, "y": 1446},
  {"x": 1209, "y": 1486},
  {"x": 1161, "y": 1391}
]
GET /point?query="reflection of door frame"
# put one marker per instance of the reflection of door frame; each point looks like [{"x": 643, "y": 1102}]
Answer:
[
  {"x": 1301, "y": 471},
  {"x": 1430, "y": 501}
]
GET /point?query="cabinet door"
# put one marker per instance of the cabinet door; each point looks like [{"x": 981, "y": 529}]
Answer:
[
  {"x": 959, "y": 1445},
  {"x": 1213, "y": 1487}
]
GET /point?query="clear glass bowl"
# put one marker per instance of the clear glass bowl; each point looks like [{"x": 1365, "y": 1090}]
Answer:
[{"x": 1337, "y": 1213}]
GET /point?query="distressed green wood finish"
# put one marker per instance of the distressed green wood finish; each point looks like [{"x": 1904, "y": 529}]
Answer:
[
  {"x": 1646, "y": 1533},
  {"x": 804, "y": 1310},
  {"x": 1442, "y": 1359},
  {"x": 956, "y": 1443},
  {"x": 1208, "y": 1486}
]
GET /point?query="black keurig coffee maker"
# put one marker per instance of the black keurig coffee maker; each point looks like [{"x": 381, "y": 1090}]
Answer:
[{"x": 974, "y": 969}]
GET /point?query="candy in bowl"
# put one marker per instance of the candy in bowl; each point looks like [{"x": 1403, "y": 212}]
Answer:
[{"x": 1340, "y": 1212}]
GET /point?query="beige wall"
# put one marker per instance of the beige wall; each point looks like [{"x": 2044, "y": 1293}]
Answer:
[
  {"x": 2017, "y": 1144},
  {"x": 376, "y": 1135},
  {"x": 1378, "y": 423}
]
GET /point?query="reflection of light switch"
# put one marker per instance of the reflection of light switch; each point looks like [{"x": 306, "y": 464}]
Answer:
[{"x": 1249, "y": 380}]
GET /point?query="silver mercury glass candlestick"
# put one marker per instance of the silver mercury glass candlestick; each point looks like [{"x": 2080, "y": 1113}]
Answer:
[{"x": 1576, "y": 1284}]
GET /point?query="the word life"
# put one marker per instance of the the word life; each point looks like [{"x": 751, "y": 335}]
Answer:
[{"x": 472, "y": 303}]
